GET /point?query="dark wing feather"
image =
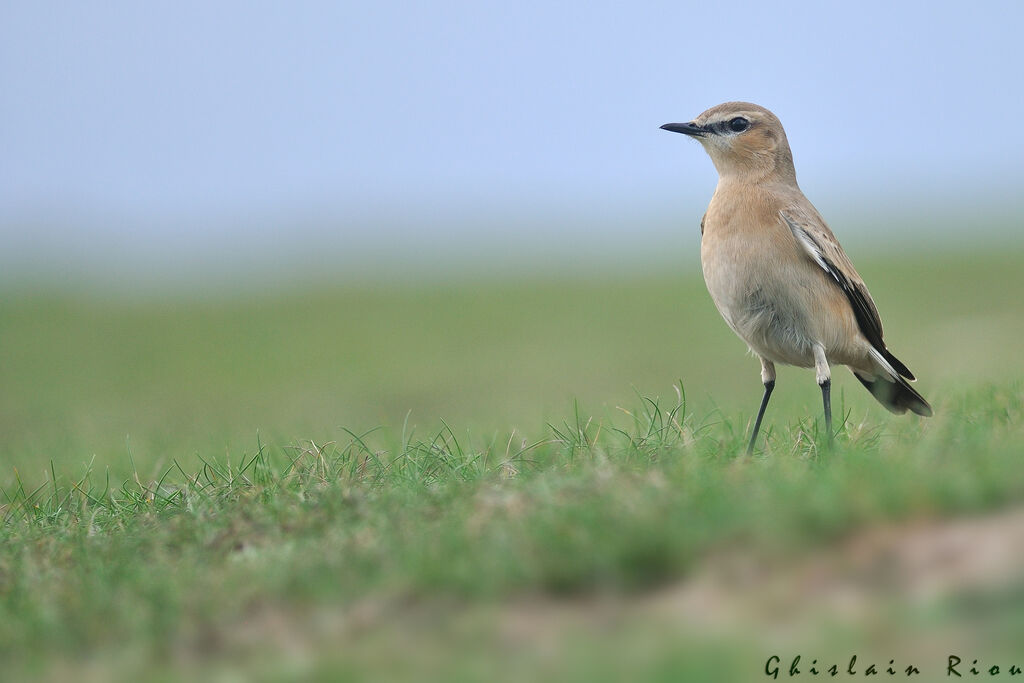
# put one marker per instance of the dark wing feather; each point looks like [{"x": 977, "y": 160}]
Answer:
[{"x": 821, "y": 245}]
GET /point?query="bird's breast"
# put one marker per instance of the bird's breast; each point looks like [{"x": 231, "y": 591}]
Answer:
[
  {"x": 741, "y": 249},
  {"x": 759, "y": 282}
]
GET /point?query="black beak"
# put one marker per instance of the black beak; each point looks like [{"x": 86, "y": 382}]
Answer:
[{"x": 690, "y": 128}]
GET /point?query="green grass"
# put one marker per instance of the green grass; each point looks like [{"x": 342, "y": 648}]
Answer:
[{"x": 181, "y": 499}]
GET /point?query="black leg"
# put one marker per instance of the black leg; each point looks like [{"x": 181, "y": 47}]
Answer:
[
  {"x": 826, "y": 398},
  {"x": 768, "y": 386}
]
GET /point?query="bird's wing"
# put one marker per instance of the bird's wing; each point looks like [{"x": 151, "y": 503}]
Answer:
[{"x": 823, "y": 247}]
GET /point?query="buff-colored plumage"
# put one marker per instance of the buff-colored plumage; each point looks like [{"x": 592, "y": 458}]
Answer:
[{"x": 777, "y": 273}]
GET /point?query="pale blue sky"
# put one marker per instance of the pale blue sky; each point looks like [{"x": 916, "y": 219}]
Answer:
[{"x": 195, "y": 127}]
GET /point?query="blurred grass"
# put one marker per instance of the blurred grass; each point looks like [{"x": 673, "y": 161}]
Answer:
[
  {"x": 82, "y": 375},
  {"x": 251, "y": 531}
]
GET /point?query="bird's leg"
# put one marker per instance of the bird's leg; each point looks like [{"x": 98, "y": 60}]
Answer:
[
  {"x": 824, "y": 377},
  {"x": 768, "y": 379}
]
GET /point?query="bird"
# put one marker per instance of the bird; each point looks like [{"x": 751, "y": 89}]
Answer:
[{"x": 777, "y": 273}]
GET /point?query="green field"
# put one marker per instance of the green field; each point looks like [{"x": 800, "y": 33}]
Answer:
[{"x": 487, "y": 480}]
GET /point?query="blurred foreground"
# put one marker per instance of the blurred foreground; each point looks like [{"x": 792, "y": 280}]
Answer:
[{"x": 643, "y": 551}]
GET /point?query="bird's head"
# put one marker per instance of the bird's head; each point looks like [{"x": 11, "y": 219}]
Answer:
[{"x": 744, "y": 140}]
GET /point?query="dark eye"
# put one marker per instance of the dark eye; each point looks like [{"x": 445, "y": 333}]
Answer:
[{"x": 738, "y": 124}]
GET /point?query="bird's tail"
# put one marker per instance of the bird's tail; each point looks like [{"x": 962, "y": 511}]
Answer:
[{"x": 896, "y": 394}]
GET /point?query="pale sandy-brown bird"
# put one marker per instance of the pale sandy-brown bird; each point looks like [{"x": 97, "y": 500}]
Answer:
[{"x": 777, "y": 273}]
